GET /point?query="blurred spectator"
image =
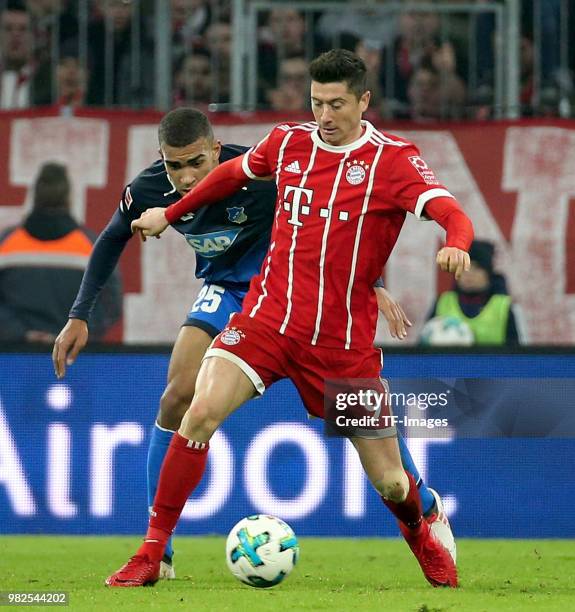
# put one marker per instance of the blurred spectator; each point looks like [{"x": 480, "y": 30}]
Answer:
[
  {"x": 527, "y": 64},
  {"x": 292, "y": 92},
  {"x": 21, "y": 83},
  {"x": 50, "y": 18},
  {"x": 480, "y": 299},
  {"x": 410, "y": 47},
  {"x": 283, "y": 36},
  {"x": 193, "y": 80},
  {"x": 571, "y": 37},
  {"x": 71, "y": 80},
  {"x": 547, "y": 87},
  {"x": 287, "y": 31},
  {"x": 435, "y": 94},
  {"x": 374, "y": 25},
  {"x": 419, "y": 44},
  {"x": 547, "y": 15},
  {"x": 41, "y": 266},
  {"x": 189, "y": 14},
  {"x": 370, "y": 53},
  {"x": 120, "y": 62},
  {"x": 190, "y": 19},
  {"x": 219, "y": 45}
]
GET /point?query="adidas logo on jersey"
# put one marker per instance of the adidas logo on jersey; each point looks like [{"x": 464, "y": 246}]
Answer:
[{"x": 293, "y": 167}]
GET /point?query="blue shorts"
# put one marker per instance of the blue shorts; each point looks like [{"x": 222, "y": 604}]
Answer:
[{"x": 214, "y": 306}]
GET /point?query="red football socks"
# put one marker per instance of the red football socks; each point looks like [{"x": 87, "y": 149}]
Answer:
[
  {"x": 182, "y": 470},
  {"x": 408, "y": 511}
]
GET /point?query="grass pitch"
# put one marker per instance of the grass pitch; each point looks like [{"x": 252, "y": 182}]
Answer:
[{"x": 332, "y": 574}]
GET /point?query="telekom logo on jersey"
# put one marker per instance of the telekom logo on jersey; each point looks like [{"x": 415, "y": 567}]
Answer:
[
  {"x": 300, "y": 202},
  {"x": 297, "y": 201}
]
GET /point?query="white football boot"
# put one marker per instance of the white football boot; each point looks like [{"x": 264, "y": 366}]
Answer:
[
  {"x": 167, "y": 571},
  {"x": 440, "y": 526}
]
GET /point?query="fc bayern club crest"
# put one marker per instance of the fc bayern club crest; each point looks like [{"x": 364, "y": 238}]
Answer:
[
  {"x": 231, "y": 336},
  {"x": 356, "y": 172}
]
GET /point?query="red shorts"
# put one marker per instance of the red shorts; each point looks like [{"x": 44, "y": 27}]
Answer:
[{"x": 267, "y": 356}]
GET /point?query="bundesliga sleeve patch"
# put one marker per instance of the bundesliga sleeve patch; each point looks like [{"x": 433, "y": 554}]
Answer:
[
  {"x": 424, "y": 170},
  {"x": 126, "y": 201}
]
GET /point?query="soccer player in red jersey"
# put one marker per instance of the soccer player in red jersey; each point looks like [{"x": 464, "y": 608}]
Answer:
[{"x": 344, "y": 190}]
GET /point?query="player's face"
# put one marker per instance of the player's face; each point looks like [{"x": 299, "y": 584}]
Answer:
[
  {"x": 475, "y": 279},
  {"x": 338, "y": 112},
  {"x": 187, "y": 166}
]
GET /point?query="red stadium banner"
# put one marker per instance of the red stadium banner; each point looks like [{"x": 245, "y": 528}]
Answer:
[{"x": 515, "y": 180}]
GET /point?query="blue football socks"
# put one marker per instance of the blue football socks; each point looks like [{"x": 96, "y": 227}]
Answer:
[
  {"x": 159, "y": 442},
  {"x": 427, "y": 499}
]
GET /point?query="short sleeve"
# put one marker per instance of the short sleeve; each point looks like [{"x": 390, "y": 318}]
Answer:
[
  {"x": 412, "y": 183},
  {"x": 262, "y": 159}
]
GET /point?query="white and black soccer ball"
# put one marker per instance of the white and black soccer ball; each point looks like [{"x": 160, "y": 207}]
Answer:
[
  {"x": 446, "y": 331},
  {"x": 261, "y": 550}
]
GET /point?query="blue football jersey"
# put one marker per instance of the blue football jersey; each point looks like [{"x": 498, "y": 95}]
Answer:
[{"x": 230, "y": 238}]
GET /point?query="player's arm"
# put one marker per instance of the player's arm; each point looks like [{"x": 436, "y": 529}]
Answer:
[
  {"x": 413, "y": 187},
  {"x": 223, "y": 181},
  {"x": 396, "y": 318},
  {"x": 103, "y": 261},
  {"x": 447, "y": 212}
]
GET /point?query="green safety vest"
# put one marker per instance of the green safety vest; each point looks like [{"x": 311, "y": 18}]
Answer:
[{"x": 489, "y": 326}]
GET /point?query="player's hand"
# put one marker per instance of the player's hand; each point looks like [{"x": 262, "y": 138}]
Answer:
[
  {"x": 152, "y": 223},
  {"x": 453, "y": 260},
  {"x": 70, "y": 341},
  {"x": 397, "y": 320}
]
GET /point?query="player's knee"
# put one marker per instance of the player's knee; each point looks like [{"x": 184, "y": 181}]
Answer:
[
  {"x": 201, "y": 419},
  {"x": 174, "y": 403},
  {"x": 394, "y": 486}
]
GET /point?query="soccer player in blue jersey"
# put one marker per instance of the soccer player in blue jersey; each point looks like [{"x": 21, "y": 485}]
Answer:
[{"x": 230, "y": 239}]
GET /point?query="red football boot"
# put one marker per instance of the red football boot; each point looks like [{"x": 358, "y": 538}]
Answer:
[
  {"x": 435, "y": 561},
  {"x": 139, "y": 571}
]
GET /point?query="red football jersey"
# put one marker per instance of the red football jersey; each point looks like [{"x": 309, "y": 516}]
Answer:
[{"x": 339, "y": 212}]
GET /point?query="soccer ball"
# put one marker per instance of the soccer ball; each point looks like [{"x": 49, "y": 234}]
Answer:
[
  {"x": 446, "y": 331},
  {"x": 261, "y": 550}
]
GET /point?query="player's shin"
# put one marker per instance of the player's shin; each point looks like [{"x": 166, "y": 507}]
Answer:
[
  {"x": 181, "y": 473},
  {"x": 427, "y": 499},
  {"x": 159, "y": 443},
  {"x": 408, "y": 510}
]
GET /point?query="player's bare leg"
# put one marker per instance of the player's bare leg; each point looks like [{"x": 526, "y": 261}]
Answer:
[
  {"x": 221, "y": 388},
  {"x": 187, "y": 354},
  {"x": 382, "y": 464},
  {"x": 185, "y": 361}
]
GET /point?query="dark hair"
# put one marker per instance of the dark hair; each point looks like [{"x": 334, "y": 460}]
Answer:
[
  {"x": 426, "y": 63},
  {"x": 482, "y": 253},
  {"x": 183, "y": 126},
  {"x": 15, "y": 5},
  {"x": 52, "y": 187},
  {"x": 340, "y": 65}
]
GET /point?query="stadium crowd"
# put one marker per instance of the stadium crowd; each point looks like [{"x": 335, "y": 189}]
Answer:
[{"x": 423, "y": 66}]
